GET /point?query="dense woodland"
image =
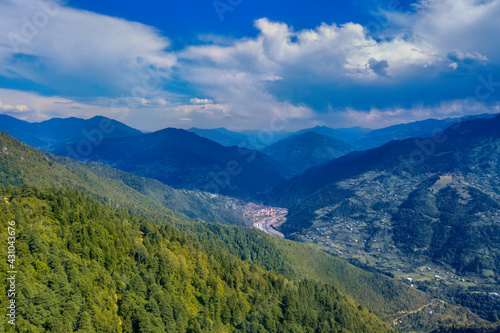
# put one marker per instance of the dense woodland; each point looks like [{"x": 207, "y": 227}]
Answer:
[
  {"x": 117, "y": 252},
  {"x": 85, "y": 267},
  {"x": 443, "y": 228}
]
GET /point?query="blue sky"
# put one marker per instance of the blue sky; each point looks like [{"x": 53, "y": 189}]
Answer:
[
  {"x": 248, "y": 64},
  {"x": 184, "y": 21}
]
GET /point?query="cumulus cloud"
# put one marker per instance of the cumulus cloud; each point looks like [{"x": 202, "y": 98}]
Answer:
[
  {"x": 341, "y": 65},
  {"x": 242, "y": 74},
  {"x": 79, "y": 53},
  {"x": 457, "y": 55},
  {"x": 13, "y": 108},
  {"x": 451, "y": 25},
  {"x": 201, "y": 101},
  {"x": 465, "y": 58}
]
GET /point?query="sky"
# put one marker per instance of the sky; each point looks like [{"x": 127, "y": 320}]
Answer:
[{"x": 249, "y": 64}]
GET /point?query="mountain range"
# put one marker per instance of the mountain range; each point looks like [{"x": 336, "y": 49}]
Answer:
[
  {"x": 226, "y": 137},
  {"x": 184, "y": 160},
  {"x": 22, "y": 167},
  {"x": 422, "y": 209},
  {"x": 256, "y": 139},
  {"x": 303, "y": 151},
  {"x": 57, "y": 131},
  {"x": 418, "y": 129}
]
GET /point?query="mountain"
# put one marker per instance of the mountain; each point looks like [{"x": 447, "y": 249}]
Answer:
[
  {"x": 225, "y": 137},
  {"x": 191, "y": 204},
  {"x": 22, "y": 167},
  {"x": 184, "y": 160},
  {"x": 54, "y": 132},
  {"x": 302, "y": 151},
  {"x": 347, "y": 135},
  {"x": 85, "y": 267},
  {"x": 421, "y": 129},
  {"x": 424, "y": 209},
  {"x": 253, "y": 139}
]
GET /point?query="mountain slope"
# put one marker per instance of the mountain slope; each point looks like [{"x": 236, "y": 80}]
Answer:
[
  {"x": 184, "y": 160},
  {"x": 347, "y": 135},
  {"x": 20, "y": 164},
  {"x": 445, "y": 151},
  {"x": 225, "y": 137},
  {"x": 303, "y": 151},
  {"x": 419, "y": 129},
  {"x": 193, "y": 205},
  {"x": 54, "y": 132},
  {"x": 85, "y": 267},
  {"x": 421, "y": 209}
]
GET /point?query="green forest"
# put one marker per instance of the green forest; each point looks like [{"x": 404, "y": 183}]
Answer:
[
  {"x": 122, "y": 251},
  {"x": 84, "y": 267}
]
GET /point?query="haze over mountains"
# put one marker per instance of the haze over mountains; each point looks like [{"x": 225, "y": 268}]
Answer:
[
  {"x": 184, "y": 160},
  {"x": 54, "y": 132},
  {"x": 306, "y": 150}
]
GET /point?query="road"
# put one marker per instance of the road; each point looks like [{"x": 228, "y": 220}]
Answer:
[{"x": 266, "y": 225}]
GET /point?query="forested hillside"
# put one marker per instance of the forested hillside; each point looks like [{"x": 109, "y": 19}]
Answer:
[
  {"x": 424, "y": 210},
  {"x": 22, "y": 165},
  {"x": 84, "y": 267}
]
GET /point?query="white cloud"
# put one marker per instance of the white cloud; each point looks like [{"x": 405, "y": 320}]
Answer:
[
  {"x": 457, "y": 55},
  {"x": 437, "y": 36},
  {"x": 201, "y": 101},
  {"x": 13, "y": 108},
  {"x": 238, "y": 74},
  {"x": 78, "y": 52},
  {"x": 378, "y": 118},
  {"x": 110, "y": 66},
  {"x": 449, "y": 25}
]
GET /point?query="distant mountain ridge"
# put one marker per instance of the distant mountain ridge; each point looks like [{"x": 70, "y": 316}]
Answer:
[
  {"x": 256, "y": 139},
  {"x": 182, "y": 159},
  {"x": 309, "y": 149},
  {"x": 347, "y": 135},
  {"x": 423, "y": 128},
  {"x": 391, "y": 155},
  {"x": 225, "y": 137},
  {"x": 410, "y": 205},
  {"x": 57, "y": 131}
]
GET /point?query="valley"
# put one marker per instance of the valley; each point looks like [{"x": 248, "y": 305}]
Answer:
[
  {"x": 267, "y": 218},
  {"x": 361, "y": 228},
  {"x": 234, "y": 166},
  {"x": 424, "y": 239}
]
